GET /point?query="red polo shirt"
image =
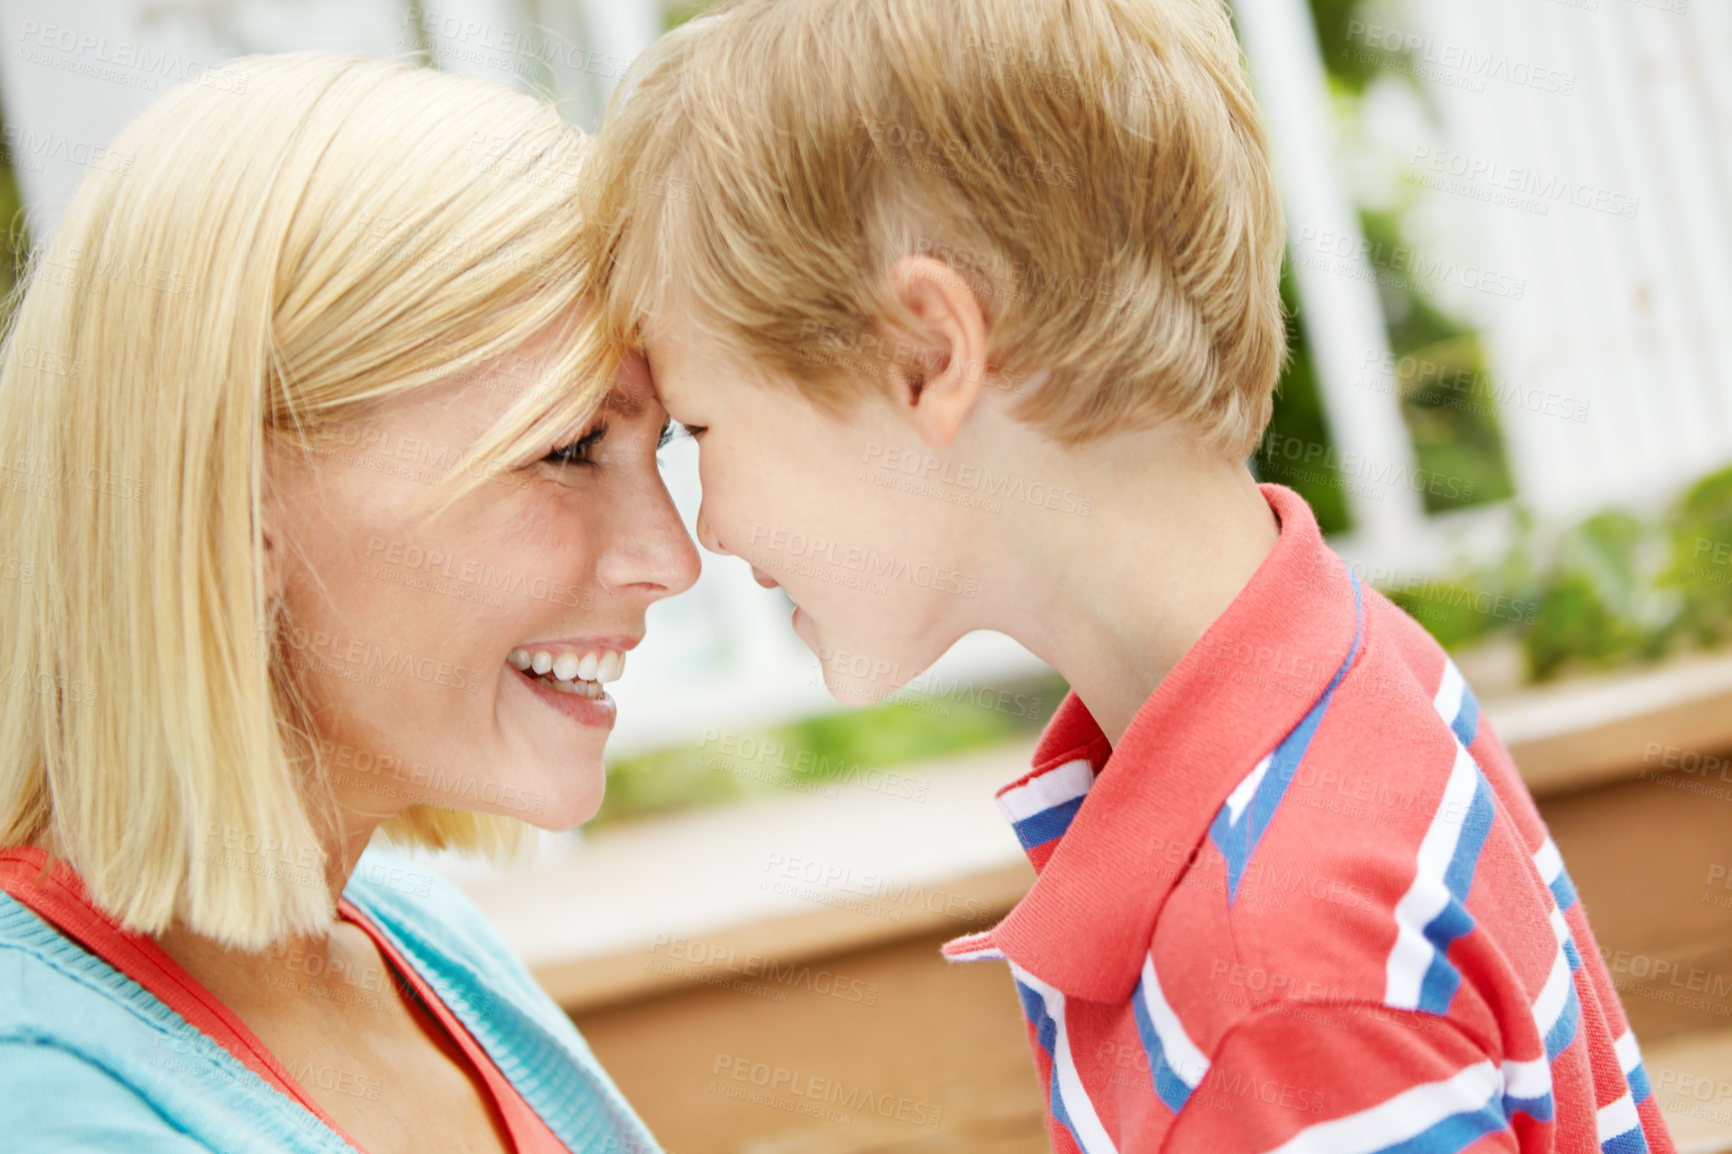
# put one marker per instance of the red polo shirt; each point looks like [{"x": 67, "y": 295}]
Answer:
[{"x": 1307, "y": 905}]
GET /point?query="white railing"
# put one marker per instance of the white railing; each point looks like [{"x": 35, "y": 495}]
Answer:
[
  {"x": 1343, "y": 316},
  {"x": 1607, "y": 308},
  {"x": 1628, "y": 307}
]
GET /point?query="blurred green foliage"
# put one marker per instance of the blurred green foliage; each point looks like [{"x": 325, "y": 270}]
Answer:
[
  {"x": 1439, "y": 358},
  {"x": 677, "y": 12},
  {"x": 814, "y": 756},
  {"x": 1616, "y": 589},
  {"x": 15, "y": 243},
  {"x": 1350, "y": 66},
  {"x": 1446, "y": 403},
  {"x": 1299, "y": 419},
  {"x": 1699, "y": 561}
]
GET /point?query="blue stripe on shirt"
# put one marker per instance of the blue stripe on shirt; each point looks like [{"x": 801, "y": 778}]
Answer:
[
  {"x": 1639, "y": 1088},
  {"x": 1046, "y": 1033},
  {"x": 1453, "y": 922},
  {"x": 1455, "y": 1133},
  {"x": 1629, "y": 1142},
  {"x": 1237, "y": 841},
  {"x": 1168, "y": 1085},
  {"x": 1466, "y": 723},
  {"x": 1563, "y": 891},
  {"x": 1048, "y": 824},
  {"x": 1563, "y": 1031}
]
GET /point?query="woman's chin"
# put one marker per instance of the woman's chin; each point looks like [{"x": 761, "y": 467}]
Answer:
[{"x": 563, "y": 811}]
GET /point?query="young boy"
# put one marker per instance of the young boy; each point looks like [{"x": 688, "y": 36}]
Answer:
[{"x": 973, "y": 307}]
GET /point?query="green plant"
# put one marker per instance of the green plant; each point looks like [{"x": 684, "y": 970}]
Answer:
[
  {"x": 1299, "y": 419},
  {"x": 819, "y": 754},
  {"x": 1699, "y": 565},
  {"x": 1615, "y": 589}
]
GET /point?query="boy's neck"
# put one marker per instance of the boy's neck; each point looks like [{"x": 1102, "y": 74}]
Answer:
[{"x": 1114, "y": 600}]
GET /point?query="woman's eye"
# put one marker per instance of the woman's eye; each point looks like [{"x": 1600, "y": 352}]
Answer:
[{"x": 578, "y": 452}]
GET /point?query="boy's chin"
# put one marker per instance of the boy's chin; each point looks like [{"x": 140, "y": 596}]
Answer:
[
  {"x": 851, "y": 678},
  {"x": 804, "y": 630},
  {"x": 858, "y": 671},
  {"x": 855, "y": 694}
]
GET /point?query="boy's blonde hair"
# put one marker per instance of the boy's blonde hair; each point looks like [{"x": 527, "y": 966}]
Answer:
[
  {"x": 1095, "y": 168},
  {"x": 294, "y": 238}
]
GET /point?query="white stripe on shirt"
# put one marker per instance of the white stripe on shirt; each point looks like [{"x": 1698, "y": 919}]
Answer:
[
  {"x": 1084, "y": 1122},
  {"x": 1056, "y": 786},
  {"x": 1405, "y": 1116},
  {"x": 1528, "y": 1081},
  {"x": 1183, "y": 1058},
  {"x": 1449, "y": 693},
  {"x": 1619, "y": 1117},
  {"x": 1549, "y": 861},
  {"x": 1555, "y": 994},
  {"x": 1429, "y": 894},
  {"x": 1629, "y": 1054},
  {"x": 1246, "y": 790}
]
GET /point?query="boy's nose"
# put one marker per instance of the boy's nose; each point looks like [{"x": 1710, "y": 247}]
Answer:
[{"x": 706, "y": 535}]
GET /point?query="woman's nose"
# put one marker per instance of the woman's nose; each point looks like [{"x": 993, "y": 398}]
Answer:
[{"x": 651, "y": 549}]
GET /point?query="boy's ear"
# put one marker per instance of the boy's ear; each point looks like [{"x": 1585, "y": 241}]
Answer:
[{"x": 936, "y": 386}]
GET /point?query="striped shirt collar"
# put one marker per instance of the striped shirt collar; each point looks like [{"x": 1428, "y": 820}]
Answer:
[
  {"x": 1041, "y": 805},
  {"x": 1095, "y": 820}
]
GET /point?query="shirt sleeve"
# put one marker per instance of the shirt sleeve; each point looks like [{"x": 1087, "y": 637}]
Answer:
[
  {"x": 57, "y": 1101},
  {"x": 1344, "y": 1079}
]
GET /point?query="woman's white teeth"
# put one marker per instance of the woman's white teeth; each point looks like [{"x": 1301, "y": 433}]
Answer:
[
  {"x": 596, "y": 667},
  {"x": 590, "y": 689}
]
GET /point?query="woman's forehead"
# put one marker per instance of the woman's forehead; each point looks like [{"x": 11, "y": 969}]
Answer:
[{"x": 633, "y": 387}]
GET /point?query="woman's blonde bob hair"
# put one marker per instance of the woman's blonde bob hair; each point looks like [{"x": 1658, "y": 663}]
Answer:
[{"x": 312, "y": 234}]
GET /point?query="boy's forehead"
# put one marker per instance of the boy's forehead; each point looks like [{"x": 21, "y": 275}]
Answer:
[{"x": 665, "y": 360}]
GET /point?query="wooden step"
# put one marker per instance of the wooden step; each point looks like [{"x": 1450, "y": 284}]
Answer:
[{"x": 1692, "y": 1078}]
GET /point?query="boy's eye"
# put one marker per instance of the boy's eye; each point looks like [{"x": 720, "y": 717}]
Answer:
[
  {"x": 578, "y": 452},
  {"x": 667, "y": 436}
]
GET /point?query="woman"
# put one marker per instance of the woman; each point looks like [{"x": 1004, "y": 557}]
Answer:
[{"x": 315, "y": 534}]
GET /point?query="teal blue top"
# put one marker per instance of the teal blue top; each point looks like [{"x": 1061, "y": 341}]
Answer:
[{"x": 91, "y": 1061}]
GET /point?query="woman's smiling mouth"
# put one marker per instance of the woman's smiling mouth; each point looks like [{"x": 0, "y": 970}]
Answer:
[{"x": 571, "y": 675}]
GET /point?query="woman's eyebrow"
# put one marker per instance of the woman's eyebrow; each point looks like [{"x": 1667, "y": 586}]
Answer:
[{"x": 621, "y": 402}]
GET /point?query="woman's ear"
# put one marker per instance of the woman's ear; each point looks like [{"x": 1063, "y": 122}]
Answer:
[
  {"x": 270, "y": 572},
  {"x": 277, "y": 460},
  {"x": 273, "y": 576},
  {"x": 935, "y": 387}
]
